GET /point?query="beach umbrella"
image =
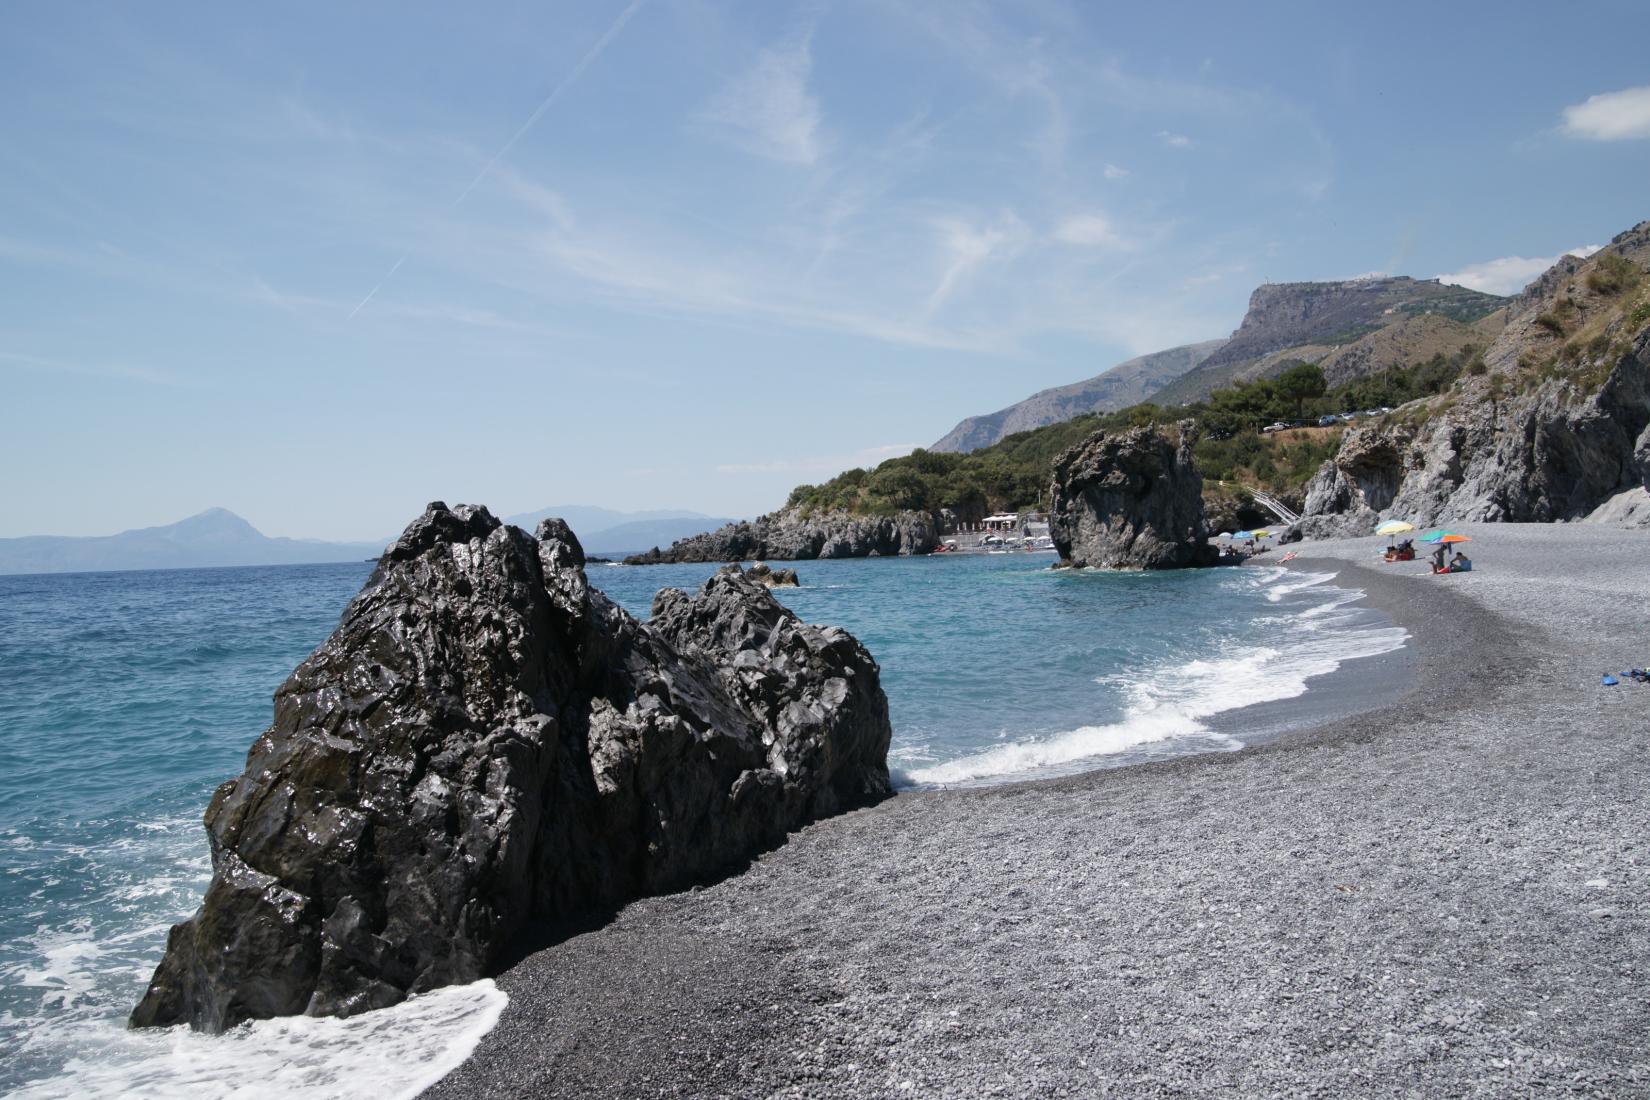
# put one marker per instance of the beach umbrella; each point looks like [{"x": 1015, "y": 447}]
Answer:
[
  {"x": 1262, "y": 534},
  {"x": 1243, "y": 534},
  {"x": 1454, "y": 538},
  {"x": 1394, "y": 527},
  {"x": 1440, "y": 536}
]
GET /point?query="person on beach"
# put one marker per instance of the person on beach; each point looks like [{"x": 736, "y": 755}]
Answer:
[
  {"x": 1438, "y": 559},
  {"x": 1460, "y": 563}
]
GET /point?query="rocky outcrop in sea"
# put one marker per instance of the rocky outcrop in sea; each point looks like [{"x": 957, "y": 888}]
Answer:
[
  {"x": 1130, "y": 500},
  {"x": 768, "y": 577},
  {"x": 488, "y": 748},
  {"x": 1555, "y": 427},
  {"x": 796, "y": 535}
]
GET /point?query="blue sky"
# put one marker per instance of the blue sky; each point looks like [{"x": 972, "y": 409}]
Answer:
[{"x": 320, "y": 264}]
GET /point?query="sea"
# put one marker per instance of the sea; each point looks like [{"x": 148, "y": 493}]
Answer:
[{"x": 126, "y": 698}]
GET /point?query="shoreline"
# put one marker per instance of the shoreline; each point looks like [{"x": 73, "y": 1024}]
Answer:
[{"x": 1396, "y": 901}]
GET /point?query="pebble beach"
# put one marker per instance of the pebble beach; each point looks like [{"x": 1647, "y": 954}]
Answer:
[{"x": 1444, "y": 894}]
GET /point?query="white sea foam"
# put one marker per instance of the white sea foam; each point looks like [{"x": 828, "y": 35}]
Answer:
[
  {"x": 394, "y": 1052},
  {"x": 1173, "y": 702}
]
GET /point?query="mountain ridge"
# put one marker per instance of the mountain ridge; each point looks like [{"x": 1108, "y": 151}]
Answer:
[
  {"x": 213, "y": 538},
  {"x": 219, "y": 538},
  {"x": 1117, "y": 387}
]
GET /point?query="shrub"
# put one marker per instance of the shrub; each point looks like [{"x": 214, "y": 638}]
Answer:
[
  {"x": 1477, "y": 368},
  {"x": 1550, "y": 322},
  {"x": 1612, "y": 274}
]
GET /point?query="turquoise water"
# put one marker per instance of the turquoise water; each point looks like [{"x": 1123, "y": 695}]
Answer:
[{"x": 126, "y": 697}]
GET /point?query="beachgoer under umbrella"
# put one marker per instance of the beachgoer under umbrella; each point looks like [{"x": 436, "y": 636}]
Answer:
[
  {"x": 1438, "y": 559},
  {"x": 1460, "y": 563}
]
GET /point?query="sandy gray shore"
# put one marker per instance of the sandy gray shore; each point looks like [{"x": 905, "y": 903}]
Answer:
[{"x": 1446, "y": 895}]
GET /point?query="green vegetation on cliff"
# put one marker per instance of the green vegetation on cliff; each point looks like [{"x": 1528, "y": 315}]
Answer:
[{"x": 1012, "y": 475}]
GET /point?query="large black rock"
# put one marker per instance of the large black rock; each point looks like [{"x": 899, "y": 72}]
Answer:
[
  {"x": 1130, "y": 500},
  {"x": 485, "y": 747}
]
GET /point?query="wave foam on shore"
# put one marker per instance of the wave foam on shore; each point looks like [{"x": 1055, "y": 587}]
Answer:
[
  {"x": 1174, "y": 702},
  {"x": 393, "y": 1052}
]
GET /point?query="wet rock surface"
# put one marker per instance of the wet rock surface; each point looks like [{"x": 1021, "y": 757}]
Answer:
[
  {"x": 1130, "y": 500},
  {"x": 768, "y": 577},
  {"x": 793, "y": 536},
  {"x": 488, "y": 749}
]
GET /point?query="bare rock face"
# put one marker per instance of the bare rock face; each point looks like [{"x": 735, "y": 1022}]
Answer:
[
  {"x": 1556, "y": 427},
  {"x": 485, "y": 747},
  {"x": 793, "y": 536},
  {"x": 1555, "y": 452},
  {"x": 1131, "y": 500}
]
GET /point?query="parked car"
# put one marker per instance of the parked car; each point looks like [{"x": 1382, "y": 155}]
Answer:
[
  {"x": 1372, "y": 412},
  {"x": 1328, "y": 421},
  {"x": 1280, "y": 426}
]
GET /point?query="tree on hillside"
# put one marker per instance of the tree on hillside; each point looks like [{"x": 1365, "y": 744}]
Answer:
[{"x": 1300, "y": 383}]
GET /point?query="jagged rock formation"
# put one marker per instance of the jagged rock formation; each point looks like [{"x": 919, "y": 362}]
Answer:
[
  {"x": 486, "y": 746},
  {"x": 793, "y": 535},
  {"x": 1554, "y": 429},
  {"x": 1318, "y": 321},
  {"x": 768, "y": 577},
  {"x": 1130, "y": 500},
  {"x": 1128, "y": 383}
]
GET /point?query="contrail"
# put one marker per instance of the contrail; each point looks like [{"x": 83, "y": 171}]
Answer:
[
  {"x": 555, "y": 94},
  {"x": 567, "y": 81},
  {"x": 362, "y": 304}
]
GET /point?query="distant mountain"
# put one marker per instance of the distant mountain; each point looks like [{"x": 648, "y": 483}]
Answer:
[
  {"x": 1319, "y": 322},
  {"x": 215, "y": 537},
  {"x": 1126, "y": 384}
]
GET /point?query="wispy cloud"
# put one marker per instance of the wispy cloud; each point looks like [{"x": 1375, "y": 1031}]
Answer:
[
  {"x": 822, "y": 464},
  {"x": 965, "y": 247},
  {"x": 1173, "y": 140},
  {"x": 1113, "y": 172},
  {"x": 1090, "y": 230},
  {"x": 768, "y": 110},
  {"x": 124, "y": 372},
  {"x": 1611, "y": 116},
  {"x": 1508, "y": 274}
]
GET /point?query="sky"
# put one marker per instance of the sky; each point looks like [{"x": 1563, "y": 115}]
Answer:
[{"x": 322, "y": 263}]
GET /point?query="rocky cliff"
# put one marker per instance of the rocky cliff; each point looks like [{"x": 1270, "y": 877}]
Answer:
[
  {"x": 1126, "y": 384},
  {"x": 487, "y": 747},
  {"x": 1312, "y": 321},
  {"x": 1555, "y": 426},
  {"x": 798, "y": 535},
  {"x": 1130, "y": 500}
]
